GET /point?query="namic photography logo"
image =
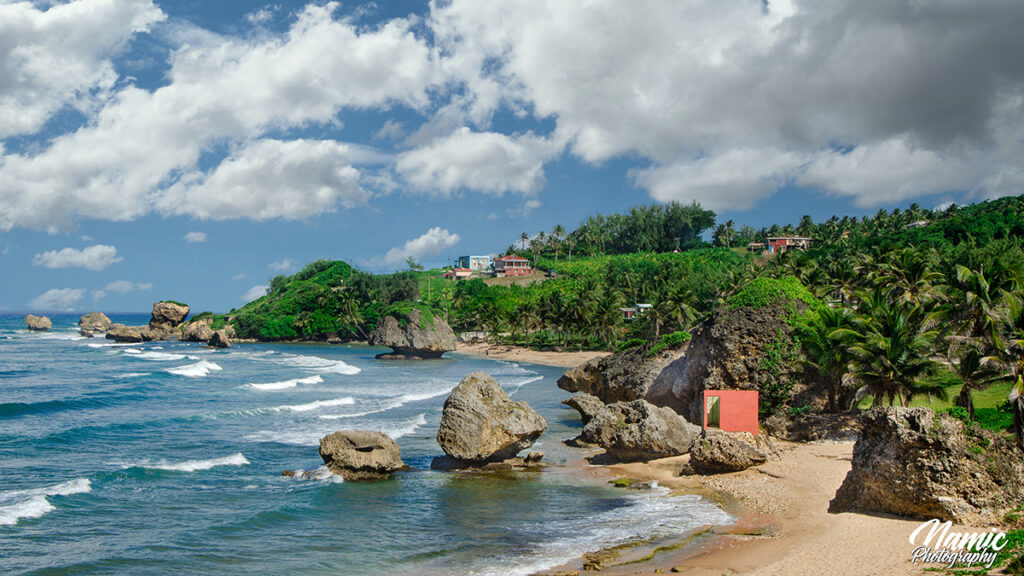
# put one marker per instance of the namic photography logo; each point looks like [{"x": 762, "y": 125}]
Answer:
[{"x": 935, "y": 543}]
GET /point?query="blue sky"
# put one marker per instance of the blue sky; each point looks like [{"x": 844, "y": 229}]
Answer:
[{"x": 192, "y": 150}]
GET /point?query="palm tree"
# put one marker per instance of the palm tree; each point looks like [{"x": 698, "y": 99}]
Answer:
[
  {"x": 824, "y": 335},
  {"x": 1012, "y": 352},
  {"x": 977, "y": 373},
  {"x": 523, "y": 238}
]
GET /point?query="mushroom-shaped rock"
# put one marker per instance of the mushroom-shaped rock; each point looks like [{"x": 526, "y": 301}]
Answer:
[
  {"x": 719, "y": 452},
  {"x": 480, "y": 424},
  {"x": 420, "y": 337},
  {"x": 38, "y": 323},
  {"x": 93, "y": 323},
  {"x": 361, "y": 454},
  {"x": 587, "y": 405},
  {"x": 220, "y": 339},
  {"x": 167, "y": 314},
  {"x": 640, "y": 431}
]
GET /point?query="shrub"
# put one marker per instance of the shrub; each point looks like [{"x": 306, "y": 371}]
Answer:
[
  {"x": 631, "y": 343},
  {"x": 669, "y": 341},
  {"x": 765, "y": 291}
]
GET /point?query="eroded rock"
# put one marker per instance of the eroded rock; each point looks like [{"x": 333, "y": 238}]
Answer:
[
  {"x": 38, "y": 323},
  {"x": 361, "y": 454},
  {"x": 93, "y": 323},
  {"x": 418, "y": 337},
  {"x": 640, "y": 431}
]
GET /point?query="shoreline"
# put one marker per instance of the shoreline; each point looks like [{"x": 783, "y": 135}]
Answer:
[
  {"x": 512, "y": 353},
  {"x": 782, "y": 522}
]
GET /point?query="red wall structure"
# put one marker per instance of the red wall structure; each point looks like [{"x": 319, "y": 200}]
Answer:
[{"x": 737, "y": 410}]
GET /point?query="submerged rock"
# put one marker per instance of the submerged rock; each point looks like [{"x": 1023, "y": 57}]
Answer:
[
  {"x": 480, "y": 424},
  {"x": 361, "y": 454},
  {"x": 640, "y": 431},
  {"x": 38, "y": 323},
  {"x": 93, "y": 323},
  {"x": 719, "y": 452},
  {"x": 586, "y": 404},
  {"x": 418, "y": 337},
  {"x": 916, "y": 463}
]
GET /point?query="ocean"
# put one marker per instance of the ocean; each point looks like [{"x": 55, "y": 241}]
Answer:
[{"x": 166, "y": 457}]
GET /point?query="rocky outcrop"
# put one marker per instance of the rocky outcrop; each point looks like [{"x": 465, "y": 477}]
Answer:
[
  {"x": 122, "y": 333},
  {"x": 480, "y": 424},
  {"x": 418, "y": 337},
  {"x": 93, "y": 323},
  {"x": 621, "y": 377},
  {"x": 718, "y": 452},
  {"x": 916, "y": 463},
  {"x": 639, "y": 431},
  {"x": 197, "y": 331},
  {"x": 361, "y": 454},
  {"x": 586, "y": 404},
  {"x": 38, "y": 323},
  {"x": 167, "y": 315},
  {"x": 219, "y": 340}
]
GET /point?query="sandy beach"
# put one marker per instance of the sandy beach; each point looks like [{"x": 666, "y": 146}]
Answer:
[
  {"x": 783, "y": 524},
  {"x": 520, "y": 354}
]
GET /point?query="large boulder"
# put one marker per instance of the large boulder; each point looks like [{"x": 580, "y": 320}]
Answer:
[
  {"x": 220, "y": 339},
  {"x": 624, "y": 376},
  {"x": 418, "y": 337},
  {"x": 38, "y": 323},
  {"x": 361, "y": 454},
  {"x": 640, "y": 431},
  {"x": 197, "y": 331},
  {"x": 916, "y": 463},
  {"x": 122, "y": 333},
  {"x": 586, "y": 404},
  {"x": 719, "y": 452},
  {"x": 93, "y": 323},
  {"x": 480, "y": 424},
  {"x": 167, "y": 315}
]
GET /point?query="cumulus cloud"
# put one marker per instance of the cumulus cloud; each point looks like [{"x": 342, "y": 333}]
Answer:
[
  {"x": 255, "y": 292},
  {"x": 282, "y": 266},
  {"x": 121, "y": 287},
  {"x": 195, "y": 237},
  {"x": 95, "y": 257},
  {"x": 485, "y": 161},
  {"x": 57, "y": 299},
  {"x": 432, "y": 243}
]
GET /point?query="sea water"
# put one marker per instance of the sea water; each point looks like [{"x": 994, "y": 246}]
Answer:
[{"x": 167, "y": 457}]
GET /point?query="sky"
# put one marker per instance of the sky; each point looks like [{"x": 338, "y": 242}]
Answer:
[{"x": 191, "y": 150}]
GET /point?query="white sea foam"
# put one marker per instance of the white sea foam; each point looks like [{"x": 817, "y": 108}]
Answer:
[
  {"x": 311, "y": 435},
  {"x": 58, "y": 335},
  {"x": 312, "y": 363},
  {"x": 236, "y": 459},
  {"x": 33, "y": 503},
  {"x": 316, "y": 405},
  {"x": 285, "y": 384},
  {"x": 133, "y": 374},
  {"x": 197, "y": 370},
  {"x": 157, "y": 356},
  {"x": 407, "y": 427},
  {"x": 320, "y": 474}
]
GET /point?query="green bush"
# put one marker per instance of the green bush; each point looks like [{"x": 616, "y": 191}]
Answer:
[
  {"x": 765, "y": 291},
  {"x": 995, "y": 419},
  {"x": 669, "y": 341},
  {"x": 631, "y": 343}
]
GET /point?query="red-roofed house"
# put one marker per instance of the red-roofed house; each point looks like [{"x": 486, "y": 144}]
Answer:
[
  {"x": 511, "y": 266},
  {"x": 459, "y": 273}
]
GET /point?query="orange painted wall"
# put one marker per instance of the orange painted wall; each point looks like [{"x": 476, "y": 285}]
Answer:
[{"x": 737, "y": 410}]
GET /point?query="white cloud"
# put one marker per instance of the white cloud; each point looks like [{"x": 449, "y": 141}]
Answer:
[
  {"x": 61, "y": 55},
  {"x": 57, "y": 299},
  {"x": 273, "y": 179},
  {"x": 239, "y": 276},
  {"x": 95, "y": 257},
  {"x": 485, "y": 161},
  {"x": 255, "y": 292},
  {"x": 263, "y": 15},
  {"x": 391, "y": 130},
  {"x": 432, "y": 243},
  {"x": 195, "y": 237},
  {"x": 121, "y": 287},
  {"x": 282, "y": 266}
]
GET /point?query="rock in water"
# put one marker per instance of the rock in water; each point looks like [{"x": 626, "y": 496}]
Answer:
[
  {"x": 418, "y": 338},
  {"x": 93, "y": 323},
  {"x": 220, "y": 340},
  {"x": 122, "y": 333},
  {"x": 480, "y": 424},
  {"x": 586, "y": 404},
  {"x": 197, "y": 331},
  {"x": 640, "y": 431},
  {"x": 716, "y": 453},
  {"x": 167, "y": 315},
  {"x": 38, "y": 323},
  {"x": 914, "y": 462},
  {"x": 361, "y": 454}
]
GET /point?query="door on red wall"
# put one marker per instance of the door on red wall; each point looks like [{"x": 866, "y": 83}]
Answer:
[{"x": 713, "y": 410}]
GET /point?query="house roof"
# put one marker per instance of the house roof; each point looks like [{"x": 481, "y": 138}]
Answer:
[{"x": 511, "y": 259}]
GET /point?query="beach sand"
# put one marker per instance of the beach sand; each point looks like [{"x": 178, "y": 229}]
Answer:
[
  {"x": 519, "y": 354},
  {"x": 783, "y": 525}
]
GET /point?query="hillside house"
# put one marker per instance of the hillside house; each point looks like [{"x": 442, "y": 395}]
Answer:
[
  {"x": 781, "y": 244},
  {"x": 458, "y": 273},
  {"x": 630, "y": 313},
  {"x": 512, "y": 266},
  {"x": 474, "y": 263}
]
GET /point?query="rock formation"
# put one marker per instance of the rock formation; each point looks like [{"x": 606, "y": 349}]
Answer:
[
  {"x": 93, "y": 323},
  {"x": 163, "y": 321},
  {"x": 914, "y": 462},
  {"x": 121, "y": 333},
  {"x": 167, "y": 315},
  {"x": 480, "y": 424},
  {"x": 418, "y": 338},
  {"x": 639, "y": 431},
  {"x": 38, "y": 323},
  {"x": 586, "y": 404},
  {"x": 361, "y": 455},
  {"x": 621, "y": 377},
  {"x": 220, "y": 339},
  {"x": 718, "y": 452},
  {"x": 197, "y": 331}
]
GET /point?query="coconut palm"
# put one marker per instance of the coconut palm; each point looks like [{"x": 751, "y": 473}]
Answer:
[
  {"x": 977, "y": 373},
  {"x": 824, "y": 335}
]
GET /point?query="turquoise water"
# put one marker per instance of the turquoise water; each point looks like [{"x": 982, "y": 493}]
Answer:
[{"x": 145, "y": 459}]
